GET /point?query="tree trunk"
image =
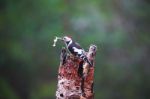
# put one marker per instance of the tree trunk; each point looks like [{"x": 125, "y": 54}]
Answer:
[{"x": 75, "y": 78}]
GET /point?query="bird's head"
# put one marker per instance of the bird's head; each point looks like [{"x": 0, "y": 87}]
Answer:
[{"x": 67, "y": 39}]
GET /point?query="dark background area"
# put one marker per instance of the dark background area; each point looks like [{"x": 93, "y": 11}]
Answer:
[{"x": 120, "y": 29}]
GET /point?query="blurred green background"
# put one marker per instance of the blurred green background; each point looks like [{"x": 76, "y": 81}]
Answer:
[{"x": 120, "y": 29}]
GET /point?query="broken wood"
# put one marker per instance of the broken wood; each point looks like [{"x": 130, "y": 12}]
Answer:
[{"x": 75, "y": 78}]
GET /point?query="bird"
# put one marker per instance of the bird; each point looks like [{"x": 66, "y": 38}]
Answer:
[{"x": 75, "y": 49}]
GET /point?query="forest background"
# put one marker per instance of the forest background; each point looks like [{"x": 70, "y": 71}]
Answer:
[{"x": 120, "y": 29}]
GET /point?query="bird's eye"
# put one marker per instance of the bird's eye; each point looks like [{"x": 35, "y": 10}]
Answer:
[{"x": 64, "y": 38}]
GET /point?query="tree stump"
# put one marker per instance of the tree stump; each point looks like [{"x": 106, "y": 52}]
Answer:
[{"x": 75, "y": 78}]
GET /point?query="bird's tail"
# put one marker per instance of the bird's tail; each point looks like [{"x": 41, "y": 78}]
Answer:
[
  {"x": 85, "y": 59},
  {"x": 88, "y": 61}
]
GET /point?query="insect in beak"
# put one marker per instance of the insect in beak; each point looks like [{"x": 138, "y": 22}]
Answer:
[{"x": 55, "y": 40}]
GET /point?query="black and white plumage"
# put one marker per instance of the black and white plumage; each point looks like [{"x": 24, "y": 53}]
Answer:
[{"x": 75, "y": 49}]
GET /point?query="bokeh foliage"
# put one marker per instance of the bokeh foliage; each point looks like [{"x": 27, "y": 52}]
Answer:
[{"x": 120, "y": 29}]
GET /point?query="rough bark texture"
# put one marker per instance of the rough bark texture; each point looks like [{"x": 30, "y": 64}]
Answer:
[{"x": 75, "y": 78}]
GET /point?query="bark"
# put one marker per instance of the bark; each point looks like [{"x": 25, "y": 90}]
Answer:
[{"x": 75, "y": 78}]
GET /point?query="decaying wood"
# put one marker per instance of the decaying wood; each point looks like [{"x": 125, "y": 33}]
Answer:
[
  {"x": 88, "y": 74},
  {"x": 75, "y": 78}
]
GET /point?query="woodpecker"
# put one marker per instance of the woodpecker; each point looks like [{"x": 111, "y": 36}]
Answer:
[{"x": 75, "y": 49}]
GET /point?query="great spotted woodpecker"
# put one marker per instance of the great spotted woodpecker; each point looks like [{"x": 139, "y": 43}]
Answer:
[{"x": 75, "y": 49}]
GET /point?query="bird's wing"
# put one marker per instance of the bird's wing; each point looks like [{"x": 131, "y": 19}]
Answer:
[
  {"x": 79, "y": 51},
  {"x": 78, "y": 45}
]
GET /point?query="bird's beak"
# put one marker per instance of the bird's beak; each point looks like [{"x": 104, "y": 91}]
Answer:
[{"x": 60, "y": 38}]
